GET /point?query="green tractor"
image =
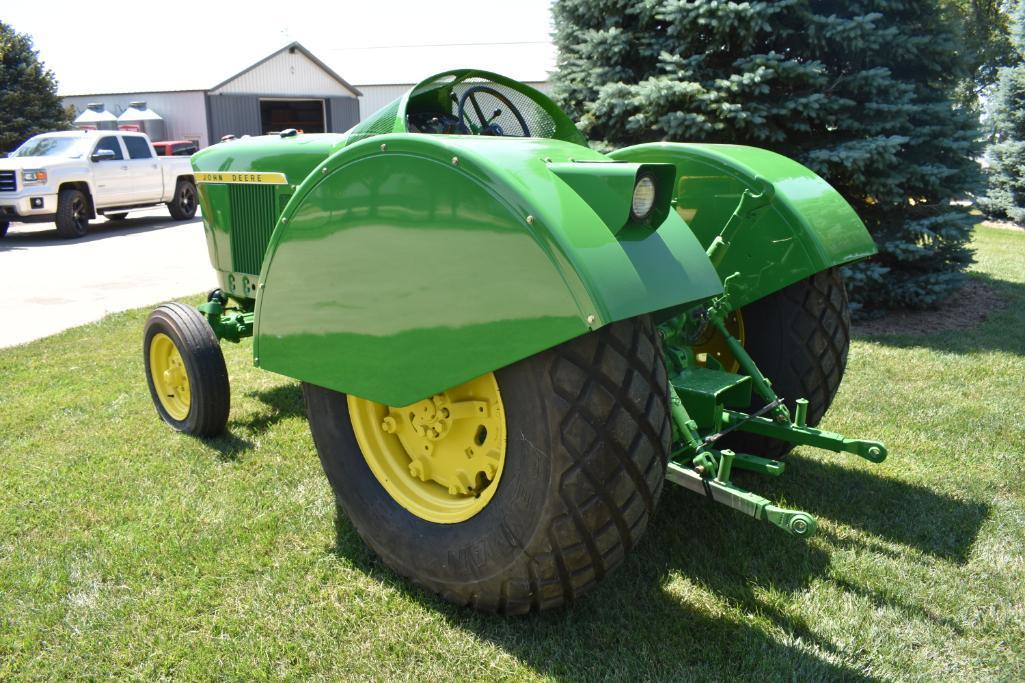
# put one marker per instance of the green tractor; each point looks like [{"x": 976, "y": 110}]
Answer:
[{"x": 508, "y": 341}]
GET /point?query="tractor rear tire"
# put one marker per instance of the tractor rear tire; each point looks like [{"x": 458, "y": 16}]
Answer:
[
  {"x": 588, "y": 440},
  {"x": 799, "y": 337},
  {"x": 185, "y": 370}
]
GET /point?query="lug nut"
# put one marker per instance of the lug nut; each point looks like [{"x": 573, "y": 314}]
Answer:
[
  {"x": 389, "y": 425},
  {"x": 420, "y": 469}
]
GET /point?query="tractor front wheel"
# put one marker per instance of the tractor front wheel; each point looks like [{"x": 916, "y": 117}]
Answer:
[
  {"x": 185, "y": 370},
  {"x": 518, "y": 490}
]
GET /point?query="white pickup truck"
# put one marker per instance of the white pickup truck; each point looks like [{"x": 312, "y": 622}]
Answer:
[{"x": 70, "y": 177}]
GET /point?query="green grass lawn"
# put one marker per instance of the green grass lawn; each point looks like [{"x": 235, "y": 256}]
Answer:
[{"x": 129, "y": 551}]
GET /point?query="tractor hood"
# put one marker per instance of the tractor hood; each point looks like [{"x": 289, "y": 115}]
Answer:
[{"x": 293, "y": 155}]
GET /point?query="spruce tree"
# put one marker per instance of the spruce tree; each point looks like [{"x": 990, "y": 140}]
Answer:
[
  {"x": 28, "y": 92},
  {"x": 862, "y": 92},
  {"x": 1006, "y": 195}
]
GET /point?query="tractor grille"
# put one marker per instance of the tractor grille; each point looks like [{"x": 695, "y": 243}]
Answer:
[
  {"x": 253, "y": 215},
  {"x": 8, "y": 181}
]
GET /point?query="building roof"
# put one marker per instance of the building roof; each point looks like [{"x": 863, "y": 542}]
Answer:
[
  {"x": 294, "y": 46},
  {"x": 180, "y": 75},
  {"x": 529, "y": 61}
]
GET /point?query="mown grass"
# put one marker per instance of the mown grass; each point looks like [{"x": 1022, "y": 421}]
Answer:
[{"x": 129, "y": 551}]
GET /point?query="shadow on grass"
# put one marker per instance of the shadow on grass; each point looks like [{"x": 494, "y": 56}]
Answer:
[
  {"x": 634, "y": 626},
  {"x": 895, "y": 511},
  {"x": 1003, "y": 330},
  {"x": 282, "y": 402}
]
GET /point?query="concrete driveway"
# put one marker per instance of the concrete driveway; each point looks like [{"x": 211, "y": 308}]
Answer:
[{"x": 48, "y": 284}]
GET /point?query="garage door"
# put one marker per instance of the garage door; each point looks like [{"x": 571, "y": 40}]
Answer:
[{"x": 304, "y": 115}]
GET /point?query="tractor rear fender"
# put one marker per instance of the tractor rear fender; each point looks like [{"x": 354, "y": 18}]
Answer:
[
  {"x": 406, "y": 264},
  {"x": 807, "y": 228}
]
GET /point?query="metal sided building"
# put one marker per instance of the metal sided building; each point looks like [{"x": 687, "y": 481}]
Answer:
[{"x": 290, "y": 88}]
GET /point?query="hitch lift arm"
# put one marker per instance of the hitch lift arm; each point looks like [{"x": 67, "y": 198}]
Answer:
[{"x": 694, "y": 463}]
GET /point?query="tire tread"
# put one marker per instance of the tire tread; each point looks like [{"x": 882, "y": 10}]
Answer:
[{"x": 588, "y": 531}]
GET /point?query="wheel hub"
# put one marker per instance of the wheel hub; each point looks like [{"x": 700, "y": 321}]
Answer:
[
  {"x": 170, "y": 378},
  {"x": 440, "y": 458},
  {"x": 463, "y": 462}
]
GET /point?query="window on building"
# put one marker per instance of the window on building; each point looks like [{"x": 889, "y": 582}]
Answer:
[
  {"x": 110, "y": 142},
  {"x": 138, "y": 148}
]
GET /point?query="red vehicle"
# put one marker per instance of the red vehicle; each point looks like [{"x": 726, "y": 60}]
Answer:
[{"x": 175, "y": 148}]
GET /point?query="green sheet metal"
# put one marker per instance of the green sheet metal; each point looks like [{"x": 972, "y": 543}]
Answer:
[
  {"x": 238, "y": 218},
  {"x": 406, "y": 264},
  {"x": 808, "y": 227}
]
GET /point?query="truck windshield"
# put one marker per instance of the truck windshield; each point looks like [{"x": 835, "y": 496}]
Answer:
[{"x": 48, "y": 147}]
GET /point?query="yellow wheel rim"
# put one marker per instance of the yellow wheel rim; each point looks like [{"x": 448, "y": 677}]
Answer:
[
  {"x": 170, "y": 379},
  {"x": 713, "y": 344},
  {"x": 440, "y": 458}
]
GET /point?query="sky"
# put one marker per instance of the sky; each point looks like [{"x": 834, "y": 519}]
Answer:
[{"x": 187, "y": 44}]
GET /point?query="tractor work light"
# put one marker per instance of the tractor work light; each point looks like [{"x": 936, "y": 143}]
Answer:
[{"x": 643, "y": 198}]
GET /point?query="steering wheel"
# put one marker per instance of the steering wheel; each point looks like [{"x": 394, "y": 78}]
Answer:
[{"x": 486, "y": 126}]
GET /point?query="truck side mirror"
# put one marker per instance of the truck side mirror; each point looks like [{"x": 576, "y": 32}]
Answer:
[{"x": 103, "y": 155}]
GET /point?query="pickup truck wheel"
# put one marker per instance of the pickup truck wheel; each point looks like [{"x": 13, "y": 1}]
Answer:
[
  {"x": 120, "y": 216},
  {"x": 183, "y": 206},
  {"x": 518, "y": 490},
  {"x": 799, "y": 337},
  {"x": 3, "y": 228},
  {"x": 185, "y": 370},
  {"x": 72, "y": 218}
]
